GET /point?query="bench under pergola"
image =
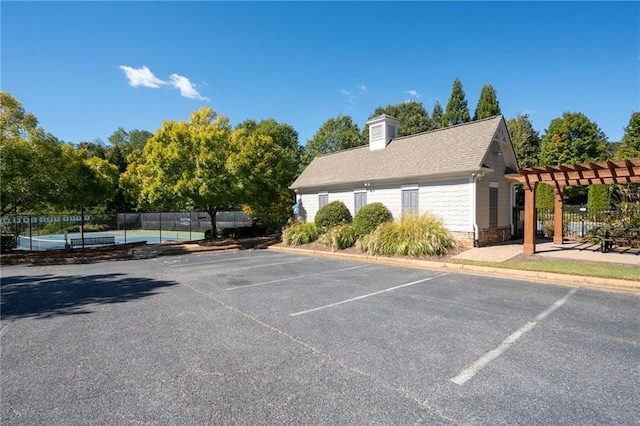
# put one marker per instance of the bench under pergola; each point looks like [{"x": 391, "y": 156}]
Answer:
[{"x": 559, "y": 177}]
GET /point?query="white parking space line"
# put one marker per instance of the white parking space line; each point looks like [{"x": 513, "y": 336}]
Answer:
[
  {"x": 368, "y": 295},
  {"x": 485, "y": 359},
  {"x": 272, "y": 264},
  {"x": 297, "y": 277},
  {"x": 209, "y": 262}
]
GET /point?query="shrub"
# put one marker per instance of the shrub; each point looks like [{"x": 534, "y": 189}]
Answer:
[
  {"x": 599, "y": 197},
  {"x": 8, "y": 243},
  {"x": 339, "y": 237},
  {"x": 369, "y": 217},
  {"x": 300, "y": 233},
  {"x": 544, "y": 196},
  {"x": 332, "y": 214},
  {"x": 413, "y": 235}
]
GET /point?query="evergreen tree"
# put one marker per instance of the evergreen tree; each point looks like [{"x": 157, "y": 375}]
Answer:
[
  {"x": 488, "y": 105},
  {"x": 599, "y": 197},
  {"x": 630, "y": 145},
  {"x": 525, "y": 140},
  {"x": 437, "y": 116},
  {"x": 457, "y": 110}
]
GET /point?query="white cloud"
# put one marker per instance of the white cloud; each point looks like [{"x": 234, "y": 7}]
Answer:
[
  {"x": 351, "y": 98},
  {"x": 142, "y": 77},
  {"x": 363, "y": 89},
  {"x": 186, "y": 87},
  {"x": 412, "y": 93}
]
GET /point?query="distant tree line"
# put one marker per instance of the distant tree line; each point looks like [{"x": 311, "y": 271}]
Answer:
[{"x": 206, "y": 163}]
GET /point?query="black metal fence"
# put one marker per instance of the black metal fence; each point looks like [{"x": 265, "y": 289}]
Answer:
[
  {"x": 42, "y": 231},
  {"x": 577, "y": 221}
]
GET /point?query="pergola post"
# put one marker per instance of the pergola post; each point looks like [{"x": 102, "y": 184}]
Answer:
[
  {"x": 558, "y": 210},
  {"x": 529, "y": 246}
]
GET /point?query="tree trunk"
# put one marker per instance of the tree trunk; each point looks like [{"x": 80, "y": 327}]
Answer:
[{"x": 212, "y": 210}]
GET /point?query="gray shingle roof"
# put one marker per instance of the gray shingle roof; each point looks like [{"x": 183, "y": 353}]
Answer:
[{"x": 438, "y": 152}]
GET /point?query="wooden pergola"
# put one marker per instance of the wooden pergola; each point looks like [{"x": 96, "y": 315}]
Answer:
[{"x": 559, "y": 177}]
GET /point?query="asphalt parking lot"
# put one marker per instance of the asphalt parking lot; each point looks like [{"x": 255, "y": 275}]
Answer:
[{"x": 263, "y": 337}]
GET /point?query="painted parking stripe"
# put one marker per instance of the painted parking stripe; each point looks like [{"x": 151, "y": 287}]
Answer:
[
  {"x": 364, "y": 296},
  {"x": 237, "y": 259},
  {"x": 485, "y": 359},
  {"x": 296, "y": 277}
]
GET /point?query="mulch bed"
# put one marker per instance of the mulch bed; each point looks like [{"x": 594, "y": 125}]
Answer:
[{"x": 130, "y": 251}]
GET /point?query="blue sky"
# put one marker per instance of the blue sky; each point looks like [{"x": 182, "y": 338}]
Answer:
[{"x": 75, "y": 64}]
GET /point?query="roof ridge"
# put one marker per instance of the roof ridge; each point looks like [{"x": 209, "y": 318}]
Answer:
[{"x": 439, "y": 129}]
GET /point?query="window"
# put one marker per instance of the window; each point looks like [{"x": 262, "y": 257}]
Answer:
[
  {"x": 391, "y": 131},
  {"x": 376, "y": 132},
  {"x": 360, "y": 200},
  {"x": 323, "y": 199},
  {"x": 493, "y": 207},
  {"x": 409, "y": 201}
]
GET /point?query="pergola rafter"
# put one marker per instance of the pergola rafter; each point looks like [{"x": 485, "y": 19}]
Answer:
[{"x": 559, "y": 177}]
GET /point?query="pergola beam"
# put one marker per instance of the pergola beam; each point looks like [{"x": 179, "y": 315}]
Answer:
[{"x": 561, "y": 176}]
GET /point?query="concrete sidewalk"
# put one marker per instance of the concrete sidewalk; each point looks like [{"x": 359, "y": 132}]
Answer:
[
  {"x": 483, "y": 253},
  {"x": 568, "y": 251}
]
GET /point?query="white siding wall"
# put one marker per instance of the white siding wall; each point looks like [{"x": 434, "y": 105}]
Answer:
[{"x": 448, "y": 199}]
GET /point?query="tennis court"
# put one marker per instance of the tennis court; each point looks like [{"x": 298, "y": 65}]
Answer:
[{"x": 57, "y": 241}]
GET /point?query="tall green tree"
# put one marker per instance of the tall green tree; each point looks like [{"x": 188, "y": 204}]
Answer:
[
  {"x": 88, "y": 181},
  {"x": 488, "y": 105},
  {"x": 334, "y": 135},
  {"x": 270, "y": 160},
  {"x": 457, "y": 111},
  {"x": 30, "y": 159},
  {"x": 437, "y": 116},
  {"x": 184, "y": 165},
  {"x": 573, "y": 138},
  {"x": 411, "y": 114},
  {"x": 630, "y": 144},
  {"x": 525, "y": 140},
  {"x": 203, "y": 164}
]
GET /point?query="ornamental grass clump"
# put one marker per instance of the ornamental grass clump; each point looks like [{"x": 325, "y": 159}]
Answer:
[
  {"x": 413, "y": 235},
  {"x": 332, "y": 214},
  {"x": 369, "y": 217},
  {"x": 339, "y": 237},
  {"x": 300, "y": 233}
]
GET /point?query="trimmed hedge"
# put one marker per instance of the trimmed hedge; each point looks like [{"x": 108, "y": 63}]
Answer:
[
  {"x": 332, "y": 214},
  {"x": 369, "y": 217}
]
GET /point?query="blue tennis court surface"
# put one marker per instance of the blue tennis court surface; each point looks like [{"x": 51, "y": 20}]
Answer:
[{"x": 57, "y": 241}]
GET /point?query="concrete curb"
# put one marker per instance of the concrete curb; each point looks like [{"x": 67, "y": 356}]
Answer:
[{"x": 607, "y": 284}]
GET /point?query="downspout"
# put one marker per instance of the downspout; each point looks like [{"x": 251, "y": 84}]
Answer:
[
  {"x": 512, "y": 204},
  {"x": 475, "y": 176}
]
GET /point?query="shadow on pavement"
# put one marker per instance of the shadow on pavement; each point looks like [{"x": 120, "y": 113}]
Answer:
[{"x": 46, "y": 296}]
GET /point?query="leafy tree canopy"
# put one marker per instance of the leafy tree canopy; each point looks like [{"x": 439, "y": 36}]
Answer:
[
  {"x": 572, "y": 139},
  {"x": 203, "y": 164},
  {"x": 488, "y": 105},
  {"x": 525, "y": 140},
  {"x": 30, "y": 159},
  {"x": 457, "y": 110},
  {"x": 630, "y": 144},
  {"x": 334, "y": 135},
  {"x": 411, "y": 114},
  {"x": 268, "y": 161}
]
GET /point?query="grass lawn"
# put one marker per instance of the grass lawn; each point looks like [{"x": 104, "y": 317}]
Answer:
[{"x": 600, "y": 270}]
